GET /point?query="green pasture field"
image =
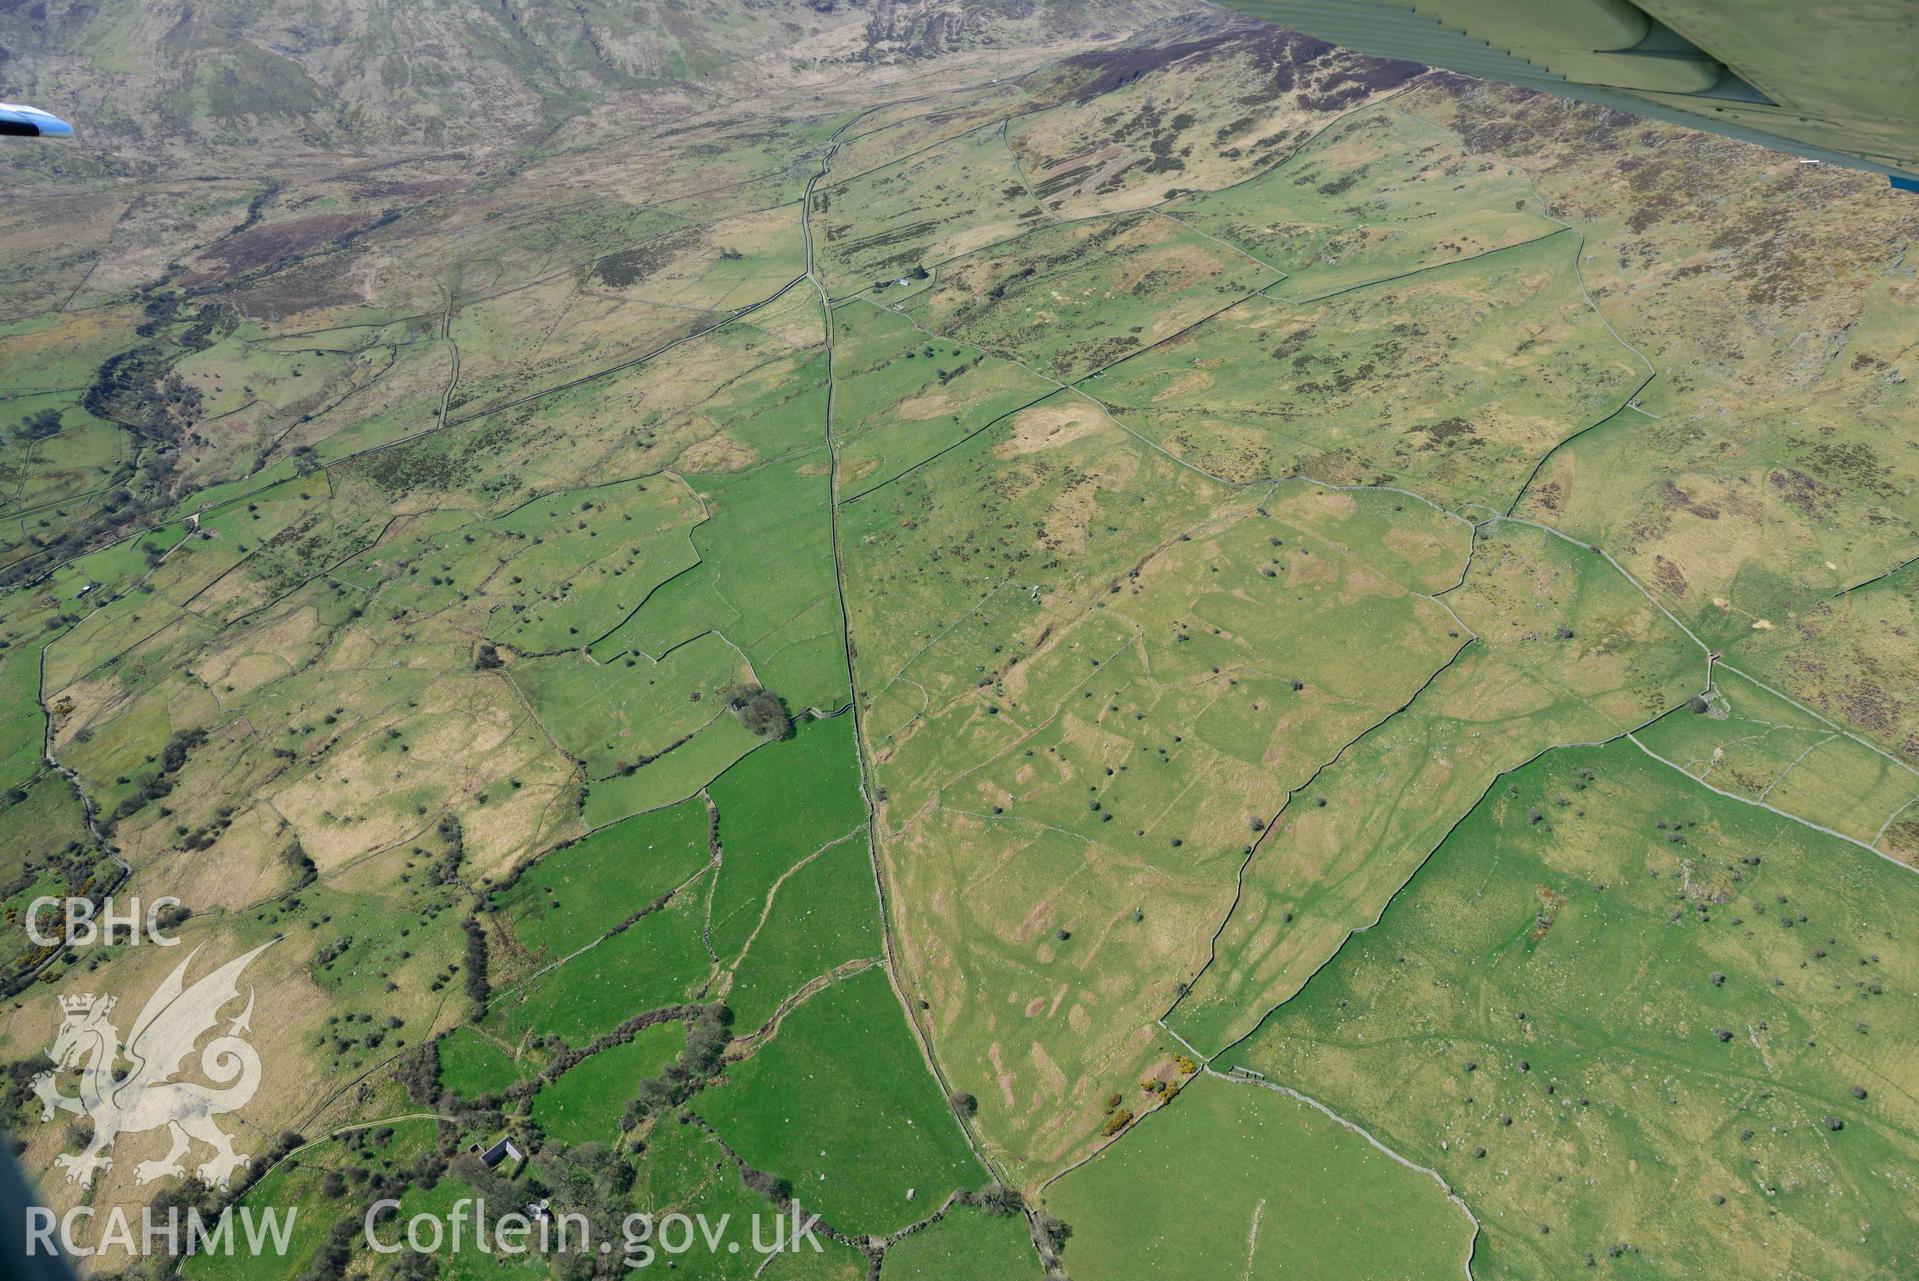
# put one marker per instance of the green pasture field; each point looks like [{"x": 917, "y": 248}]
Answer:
[
  {"x": 578, "y": 892},
  {"x": 1451, "y": 383},
  {"x": 468, "y": 1263},
  {"x": 1071, "y": 300},
  {"x": 46, "y": 479},
  {"x": 683, "y": 1170},
  {"x": 584, "y": 1104},
  {"x": 1081, "y": 814},
  {"x": 513, "y": 571},
  {"x": 671, "y": 778},
  {"x": 1054, "y": 501},
  {"x": 1648, "y": 978},
  {"x": 823, "y": 915},
  {"x": 920, "y": 210},
  {"x": 1565, "y": 649},
  {"x": 785, "y": 623},
  {"x": 901, "y": 396},
  {"x": 966, "y": 1245},
  {"x": 834, "y": 1262},
  {"x": 1742, "y": 511},
  {"x": 780, "y": 805},
  {"x": 240, "y": 370},
  {"x": 1757, "y": 745},
  {"x": 23, "y": 720},
  {"x": 293, "y": 1188},
  {"x": 1846, "y": 657},
  {"x": 840, "y": 1103},
  {"x": 657, "y": 961},
  {"x": 47, "y": 858},
  {"x": 1379, "y": 194},
  {"x": 1234, "y": 1180},
  {"x": 229, "y": 490},
  {"x": 571, "y": 546},
  {"x": 472, "y": 1064},
  {"x": 59, "y": 351},
  {"x": 618, "y": 715},
  {"x": 199, "y": 573}
]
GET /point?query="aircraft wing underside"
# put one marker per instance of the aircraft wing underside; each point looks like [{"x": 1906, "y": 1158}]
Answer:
[{"x": 1838, "y": 83}]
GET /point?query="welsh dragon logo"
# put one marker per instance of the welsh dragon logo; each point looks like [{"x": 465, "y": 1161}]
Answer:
[{"x": 128, "y": 1089}]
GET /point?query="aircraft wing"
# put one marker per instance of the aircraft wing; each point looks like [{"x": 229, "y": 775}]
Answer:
[
  {"x": 18, "y": 121},
  {"x": 1834, "y": 82}
]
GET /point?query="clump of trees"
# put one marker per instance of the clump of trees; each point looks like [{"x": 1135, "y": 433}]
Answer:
[
  {"x": 477, "y": 989},
  {"x": 997, "y": 1198},
  {"x": 419, "y": 1072},
  {"x": 39, "y": 425},
  {"x": 305, "y": 873},
  {"x": 173, "y": 758},
  {"x": 760, "y": 710},
  {"x": 770, "y": 1186},
  {"x": 16, "y": 1088},
  {"x": 447, "y": 870},
  {"x": 706, "y": 1040}
]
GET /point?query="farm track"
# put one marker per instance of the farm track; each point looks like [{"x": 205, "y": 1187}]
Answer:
[{"x": 745, "y": 1047}]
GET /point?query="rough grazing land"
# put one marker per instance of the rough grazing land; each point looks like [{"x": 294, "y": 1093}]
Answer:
[{"x": 1089, "y": 639}]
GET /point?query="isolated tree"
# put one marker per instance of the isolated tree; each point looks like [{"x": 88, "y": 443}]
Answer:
[{"x": 1052, "y": 1231}]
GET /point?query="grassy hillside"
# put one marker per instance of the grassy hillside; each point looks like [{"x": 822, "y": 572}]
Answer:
[{"x": 854, "y": 605}]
